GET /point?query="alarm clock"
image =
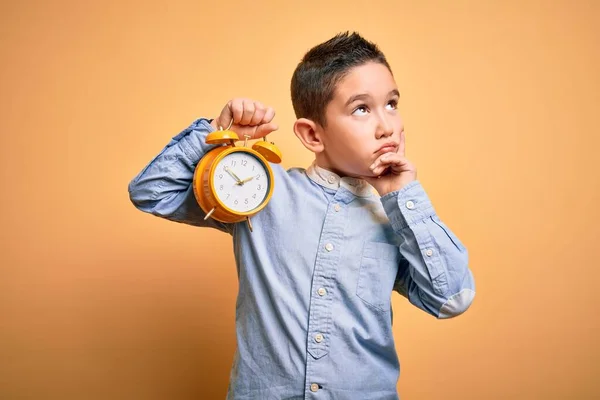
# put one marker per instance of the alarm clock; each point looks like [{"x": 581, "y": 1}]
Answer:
[{"x": 232, "y": 183}]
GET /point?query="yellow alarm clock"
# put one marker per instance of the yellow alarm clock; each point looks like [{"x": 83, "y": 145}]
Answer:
[{"x": 231, "y": 183}]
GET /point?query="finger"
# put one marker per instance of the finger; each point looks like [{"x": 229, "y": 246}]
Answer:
[
  {"x": 373, "y": 181},
  {"x": 248, "y": 112},
  {"x": 236, "y": 108},
  {"x": 269, "y": 115},
  {"x": 265, "y": 129},
  {"x": 382, "y": 158},
  {"x": 259, "y": 113},
  {"x": 402, "y": 144},
  {"x": 398, "y": 166},
  {"x": 382, "y": 170},
  {"x": 394, "y": 161},
  {"x": 224, "y": 118}
]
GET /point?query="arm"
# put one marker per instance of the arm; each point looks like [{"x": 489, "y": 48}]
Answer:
[
  {"x": 164, "y": 187},
  {"x": 435, "y": 275}
]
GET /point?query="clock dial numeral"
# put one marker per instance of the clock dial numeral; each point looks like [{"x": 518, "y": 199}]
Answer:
[{"x": 243, "y": 182}]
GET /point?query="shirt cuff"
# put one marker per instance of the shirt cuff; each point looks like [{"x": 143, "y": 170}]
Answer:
[{"x": 407, "y": 206}]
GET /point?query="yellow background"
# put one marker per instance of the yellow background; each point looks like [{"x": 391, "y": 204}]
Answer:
[{"x": 101, "y": 301}]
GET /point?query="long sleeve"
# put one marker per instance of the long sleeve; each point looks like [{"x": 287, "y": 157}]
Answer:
[
  {"x": 164, "y": 186},
  {"x": 435, "y": 274}
]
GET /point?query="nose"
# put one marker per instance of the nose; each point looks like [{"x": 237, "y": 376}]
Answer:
[{"x": 385, "y": 127}]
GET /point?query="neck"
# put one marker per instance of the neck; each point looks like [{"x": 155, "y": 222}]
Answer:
[{"x": 323, "y": 161}]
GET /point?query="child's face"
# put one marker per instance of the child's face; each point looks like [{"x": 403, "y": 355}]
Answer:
[{"x": 361, "y": 118}]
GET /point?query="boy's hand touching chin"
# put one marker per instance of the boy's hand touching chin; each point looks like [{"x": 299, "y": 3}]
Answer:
[{"x": 392, "y": 171}]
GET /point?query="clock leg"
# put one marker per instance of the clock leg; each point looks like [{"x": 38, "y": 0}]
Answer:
[
  {"x": 249, "y": 223},
  {"x": 210, "y": 213}
]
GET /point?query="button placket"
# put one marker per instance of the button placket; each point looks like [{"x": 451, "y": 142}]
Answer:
[
  {"x": 325, "y": 269},
  {"x": 324, "y": 284}
]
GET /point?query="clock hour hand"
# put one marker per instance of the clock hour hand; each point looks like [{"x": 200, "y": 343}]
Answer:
[
  {"x": 246, "y": 180},
  {"x": 230, "y": 172}
]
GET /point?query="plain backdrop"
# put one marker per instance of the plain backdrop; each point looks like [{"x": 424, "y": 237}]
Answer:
[{"x": 99, "y": 301}]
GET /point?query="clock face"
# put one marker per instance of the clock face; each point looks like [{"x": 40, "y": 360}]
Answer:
[{"x": 241, "y": 181}]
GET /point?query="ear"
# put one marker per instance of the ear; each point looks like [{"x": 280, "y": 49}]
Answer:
[{"x": 309, "y": 134}]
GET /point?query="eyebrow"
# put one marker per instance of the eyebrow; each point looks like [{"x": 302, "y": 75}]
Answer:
[{"x": 362, "y": 96}]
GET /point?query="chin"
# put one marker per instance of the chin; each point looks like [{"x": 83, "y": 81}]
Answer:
[{"x": 354, "y": 170}]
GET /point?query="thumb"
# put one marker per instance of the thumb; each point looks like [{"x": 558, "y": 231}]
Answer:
[
  {"x": 265, "y": 129},
  {"x": 371, "y": 181},
  {"x": 375, "y": 183}
]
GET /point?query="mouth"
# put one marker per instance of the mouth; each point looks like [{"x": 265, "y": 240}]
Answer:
[{"x": 387, "y": 148}]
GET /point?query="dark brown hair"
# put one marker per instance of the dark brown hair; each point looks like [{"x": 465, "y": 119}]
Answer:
[{"x": 323, "y": 66}]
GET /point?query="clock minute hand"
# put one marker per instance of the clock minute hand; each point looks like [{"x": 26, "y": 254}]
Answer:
[{"x": 230, "y": 172}]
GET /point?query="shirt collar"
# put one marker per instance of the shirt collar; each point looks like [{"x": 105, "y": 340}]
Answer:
[{"x": 331, "y": 180}]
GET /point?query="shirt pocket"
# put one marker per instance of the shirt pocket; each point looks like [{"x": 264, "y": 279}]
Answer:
[{"x": 377, "y": 274}]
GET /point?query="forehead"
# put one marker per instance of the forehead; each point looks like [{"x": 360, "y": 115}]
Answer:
[{"x": 372, "y": 78}]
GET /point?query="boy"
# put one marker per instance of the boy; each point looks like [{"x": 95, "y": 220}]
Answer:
[{"x": 313, "y": 313}]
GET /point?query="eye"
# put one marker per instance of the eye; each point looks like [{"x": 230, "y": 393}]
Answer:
[
  {"x": 360, "y": 110},
  {"x": 393, "y": 104}
]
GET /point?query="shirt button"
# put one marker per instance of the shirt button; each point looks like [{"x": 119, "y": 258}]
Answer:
[
  {"x": 314, "y": 387},
  {"x": 337, "y": 207},
  {"x": 322, "y": 291},
  {"x": 429, "y": 252},
  {"x": 328, "y": 247},
  {"x": 318, "y": 338},
  {"x": 410, "y": 205},
  {"x": 331, "y": 179}
]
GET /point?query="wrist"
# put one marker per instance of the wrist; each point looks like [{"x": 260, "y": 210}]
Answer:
[{"x": 396, "y": 188}]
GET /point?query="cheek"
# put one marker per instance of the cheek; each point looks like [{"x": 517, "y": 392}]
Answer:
[
  {"x": 398, "y": 123},
  {"x": 357, "y": 158},
  {"x": 350, "y": 140}
]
